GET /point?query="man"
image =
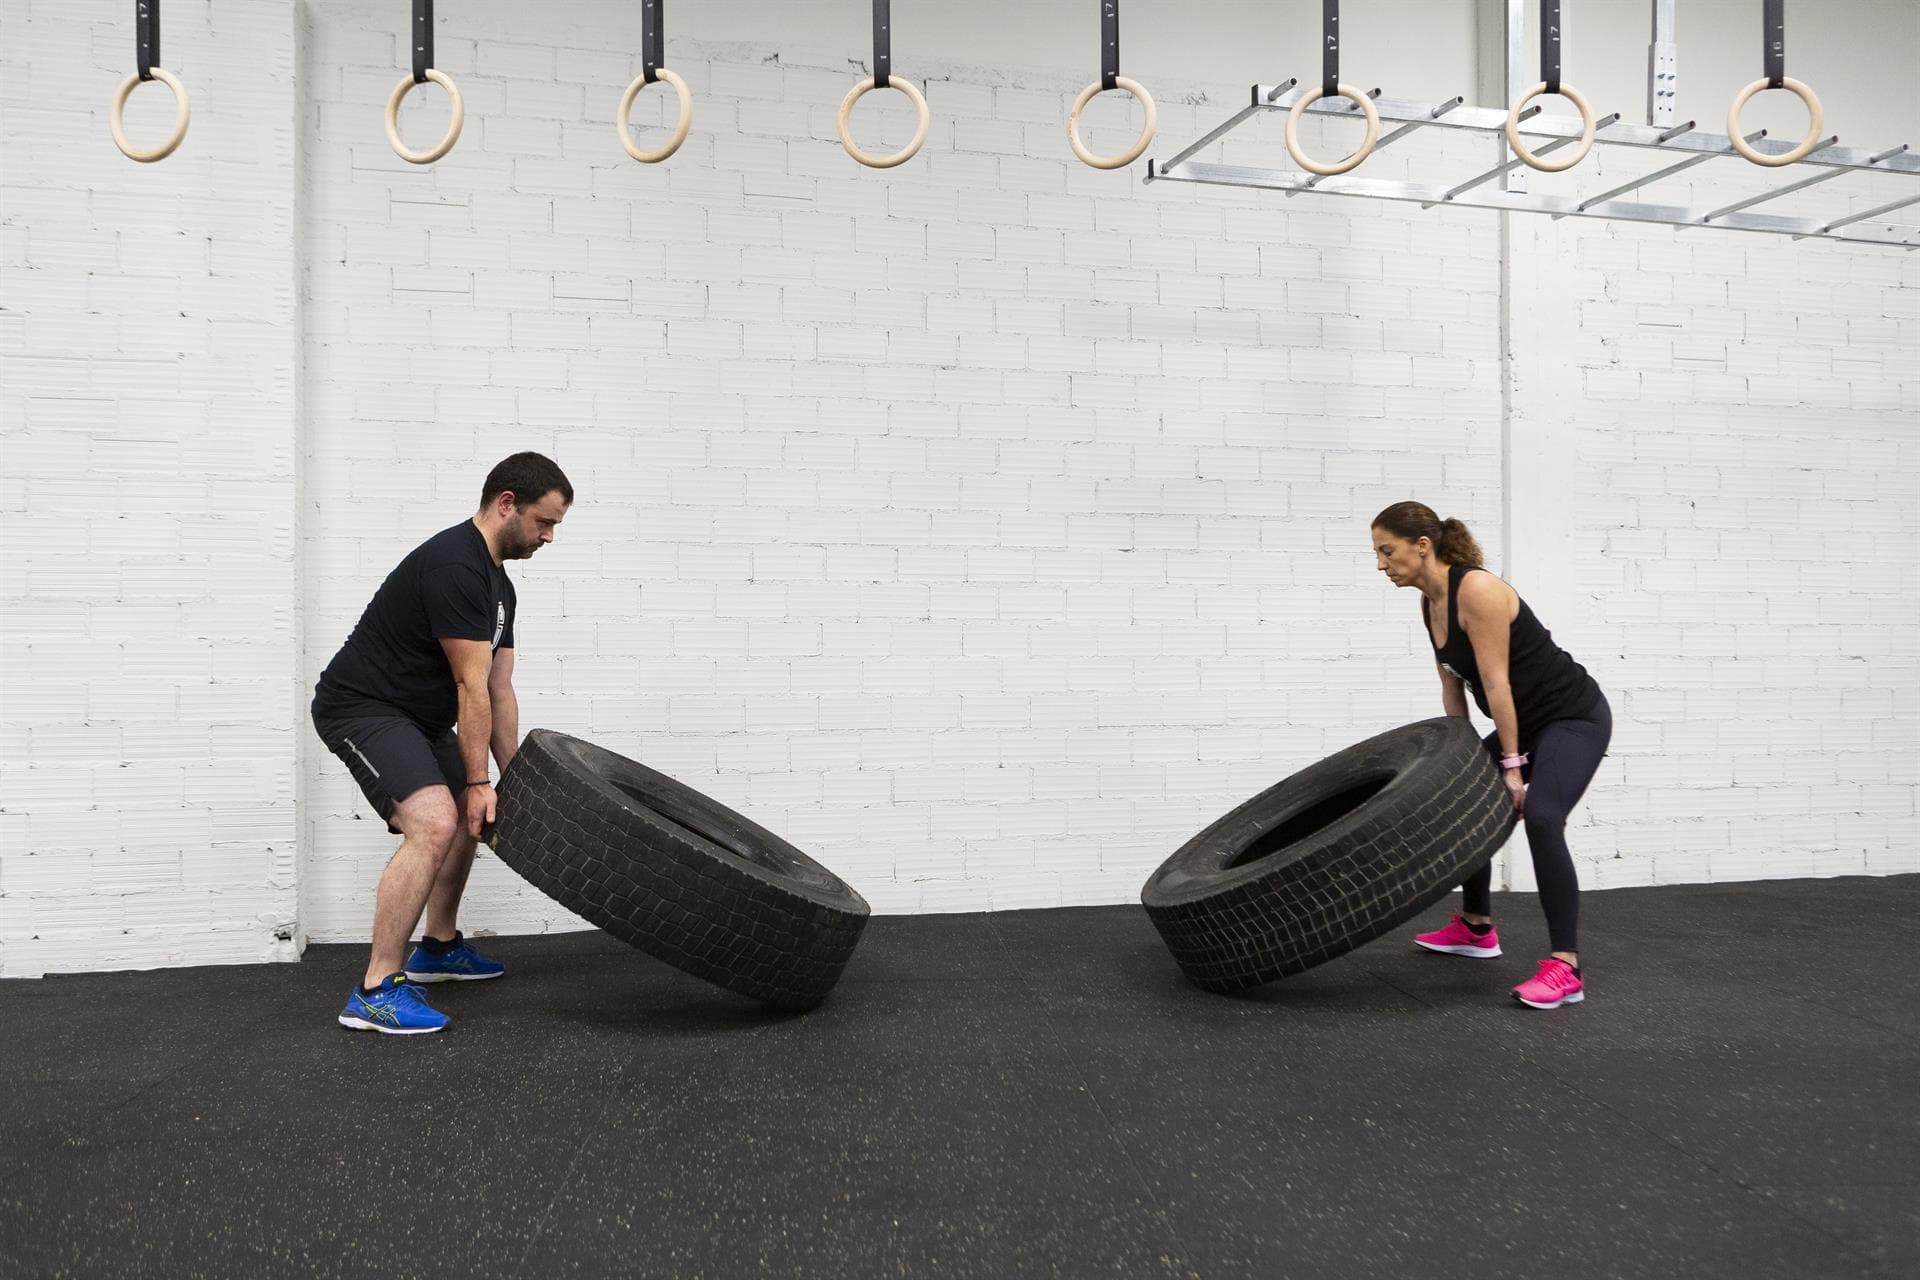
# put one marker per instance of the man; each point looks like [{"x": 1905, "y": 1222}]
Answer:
[{"x": 434, "y": 650}]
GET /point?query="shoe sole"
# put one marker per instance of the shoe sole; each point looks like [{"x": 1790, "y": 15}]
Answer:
[
  {"x": 361, "y": 1024},
  {"x": 452, "y": 977},
  {"x": 1575, "y": 998},
  {"x": 1445, "y": 949}
]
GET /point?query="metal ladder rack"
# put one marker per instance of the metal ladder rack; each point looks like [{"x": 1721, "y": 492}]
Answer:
[{"x": 1690, "y": 145}]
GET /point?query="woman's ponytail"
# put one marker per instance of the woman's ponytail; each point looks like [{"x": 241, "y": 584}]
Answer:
[
  {"x": 1451, "y": 539},
  {"x": 1456, "y": 544}
]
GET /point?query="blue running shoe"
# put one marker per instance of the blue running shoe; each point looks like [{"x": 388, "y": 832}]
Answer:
[
  {"x": 398, "y": 1008},
  {"x": 462, "y": 964}
]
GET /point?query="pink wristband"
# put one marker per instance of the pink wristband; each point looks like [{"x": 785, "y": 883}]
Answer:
[{"x": 1512, "y": 762}]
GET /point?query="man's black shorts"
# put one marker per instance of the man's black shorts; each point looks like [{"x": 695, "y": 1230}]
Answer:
[{"x": 391, "y": 757}]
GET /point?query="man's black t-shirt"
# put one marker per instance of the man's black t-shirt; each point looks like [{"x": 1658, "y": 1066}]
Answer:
[{"x": 448, "y": 588}]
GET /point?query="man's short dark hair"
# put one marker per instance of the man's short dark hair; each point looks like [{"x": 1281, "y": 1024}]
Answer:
[{"x": 529, "y": 477}]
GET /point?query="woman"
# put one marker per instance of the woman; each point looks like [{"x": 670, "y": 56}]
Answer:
[{"x": 1551, "y": 727}]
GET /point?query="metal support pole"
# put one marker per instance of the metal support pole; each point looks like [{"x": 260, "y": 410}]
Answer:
[
  {"x": 1393, "y": 137},
  {"x": 1553, "y": 146},
  {"x": 1663, "y": 66},
  {"x": 1658, "y": 174},
  {"x": 1820, "y": 146},
  {"x": 1518, "y": 78},
  {"x": 1827, "y": 175},
  {"x": 1479, "y": 178},
  {"x": 1214, "y": 135},
  {"x": 1889, "y": 207}
]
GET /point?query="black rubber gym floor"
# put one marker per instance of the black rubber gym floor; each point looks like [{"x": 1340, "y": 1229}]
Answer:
[{"x": 1019, "y": 1094}]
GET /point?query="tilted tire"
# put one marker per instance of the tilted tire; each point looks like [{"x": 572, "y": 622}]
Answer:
[
  {"x": 1332, "y": 857},
  {"x": 675, "y": 873}
]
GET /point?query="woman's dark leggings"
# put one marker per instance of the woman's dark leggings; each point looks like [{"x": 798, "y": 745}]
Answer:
[{"x": 1564, "y": 759}]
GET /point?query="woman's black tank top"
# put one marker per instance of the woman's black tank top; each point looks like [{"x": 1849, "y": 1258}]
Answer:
[{"x": 1547, "y": 683}]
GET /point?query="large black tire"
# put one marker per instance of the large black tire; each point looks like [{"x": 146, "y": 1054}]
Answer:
[
  {"x": 1332, "y": 857},
  {"x": 677, "y": 874}
]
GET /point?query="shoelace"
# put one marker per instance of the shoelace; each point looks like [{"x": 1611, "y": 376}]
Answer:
[
  {"x": 1555, "y": 972},
  {"x": 414, "y": 996}
]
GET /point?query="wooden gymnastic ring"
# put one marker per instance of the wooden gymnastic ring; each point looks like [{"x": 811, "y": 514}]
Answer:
[
  {"x": 1815, "y": 120},
  {"x": 1306, "y": 161},
  {"x": 1140, "y": 144},
  {"x": 181, "y": 112},
  {"x": 680, "y": 130},
  {"x": 453, "y": 127},
  {"x": 901, "y": 156},
  {"x": 1532, "y": 161}
]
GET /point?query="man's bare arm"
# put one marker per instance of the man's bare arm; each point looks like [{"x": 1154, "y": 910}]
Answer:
[
  {"x": 506, "y": 708},
  {"x": 472, "y": 662}
]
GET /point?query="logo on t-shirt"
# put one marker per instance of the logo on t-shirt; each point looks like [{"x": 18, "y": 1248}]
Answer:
[
  {"x": 499, "y": 622},
  {"x": 1448, "y": 665}
]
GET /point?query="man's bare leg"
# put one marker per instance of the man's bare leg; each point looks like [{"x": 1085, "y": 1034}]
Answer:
[
  {"x": 443, "y": 903},
  {"x": 429, "y": 821}
]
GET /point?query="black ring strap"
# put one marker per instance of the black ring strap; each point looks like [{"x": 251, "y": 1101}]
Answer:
[
  {"x": 1330, "y": 50},
  {"x": 1550, "y": 44},
  {"x": 422, "y": 39},
  {"x": 1109, "y": 43},
  {"x": 653, "y": 37},
  {"x": 1773, "y": 42},
  {"x": 146, "y": 36}
]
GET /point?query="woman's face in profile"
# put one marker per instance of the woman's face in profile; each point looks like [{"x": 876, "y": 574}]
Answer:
[{"x": 1399, "y": 559}]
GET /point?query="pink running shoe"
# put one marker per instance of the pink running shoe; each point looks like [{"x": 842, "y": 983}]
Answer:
[
  {"x": 1556, "y": 984},
  {"x": 1458, "y": 940}
]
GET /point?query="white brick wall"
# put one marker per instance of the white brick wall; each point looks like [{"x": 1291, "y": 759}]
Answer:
[
  {"x": 986, "y": 526},
  {"x": 148, "y": 607},
  {"x": 941, "y": 521},
  {"x": 1737, "y": 527}
]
